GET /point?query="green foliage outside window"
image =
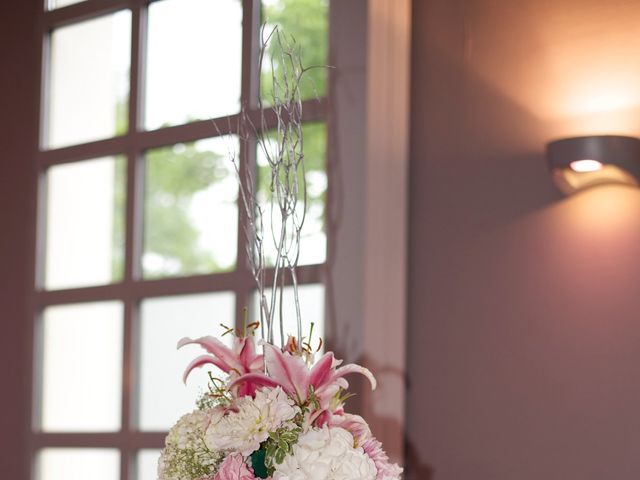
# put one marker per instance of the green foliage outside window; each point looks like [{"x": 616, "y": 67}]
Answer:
[
  {"x": 175, "y": 175},
  {"x": 307, "y": 21}
]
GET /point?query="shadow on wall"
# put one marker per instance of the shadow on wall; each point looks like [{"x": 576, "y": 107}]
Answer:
[
  {"x": 414, "y": 468},
  {"x": 391, "y": 377}
]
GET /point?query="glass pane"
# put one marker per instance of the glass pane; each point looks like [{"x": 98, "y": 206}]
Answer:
[
  {"x": 194, "y": 61},
  {"x": 78, "y": 464},
  {"x": 85, "y": 223},
  {"x": 89, "y": 80},
  {"x": 307, "y": 21},
  {"x": 313, "y": 242},
  {"x": 311, "y": 310},
  {"x": 148, "y": 465},
  {"x": 53, "y": 4},
  {"x": 191, "y": 216},
  {"x": 164, "y": 321},
  {"x": 82, "y": 367}
]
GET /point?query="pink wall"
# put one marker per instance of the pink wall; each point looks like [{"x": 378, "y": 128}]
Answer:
[
  {"x": 524, "y": 307},
  {"x": 18, "y": 89}
]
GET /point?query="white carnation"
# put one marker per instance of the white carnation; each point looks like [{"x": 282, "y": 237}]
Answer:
[
  {"x": 185, "y": 454},
  {"x": 245, "y": 429},
  {"x": 326, "y": 454}
]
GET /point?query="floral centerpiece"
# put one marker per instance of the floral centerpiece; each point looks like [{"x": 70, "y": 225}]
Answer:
[{"x": 277, "y": 411}]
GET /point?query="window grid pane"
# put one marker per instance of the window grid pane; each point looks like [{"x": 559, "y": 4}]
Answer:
[
  {"x": 53, "y": 4},
  {"x": 144, "y": 466},
  {"x": 82, "y": 367},
  {"x": 164, "y": 321},
  {"x": 312, "y": 299},
  {"x": 85, "y": 223},
  {"x": 308, "y": 22},
  {"x": 88, "y": 84},
  {"x": 147, "y": 464},
  {"x": 194, "y": 59},
  {"x": 77, "y": 464},
  {"x": 190, "y": 212},
  {"x": 313, "y": 242}
]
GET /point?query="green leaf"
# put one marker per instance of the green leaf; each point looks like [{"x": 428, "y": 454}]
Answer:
[
  {"x": 258, "y": 464},
  {"x": 280, "y": 454}
]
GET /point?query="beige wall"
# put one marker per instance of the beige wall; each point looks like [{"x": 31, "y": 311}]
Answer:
[{"x": 524, "y": 307}]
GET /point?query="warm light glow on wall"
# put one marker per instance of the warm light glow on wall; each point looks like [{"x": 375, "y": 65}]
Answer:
[
  {"x": 606, "y": 212},
  {"x": 599, "y": 95},
  {"x": 582, "y": 249},
  {"x": 579, "y": 70}
]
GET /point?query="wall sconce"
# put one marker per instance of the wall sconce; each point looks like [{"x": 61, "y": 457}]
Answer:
[{"x": 582, "y": 162}]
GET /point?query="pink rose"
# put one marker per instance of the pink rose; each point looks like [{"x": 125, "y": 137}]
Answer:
[{"x": 234, "y": 468}]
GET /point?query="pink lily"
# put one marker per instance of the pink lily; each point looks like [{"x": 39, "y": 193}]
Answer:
[
  {"x": 291, "y": 373},
  {"x": 237, "y": 361}
]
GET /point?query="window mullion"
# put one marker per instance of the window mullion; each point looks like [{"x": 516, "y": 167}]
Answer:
[
  {"x": 313, "y": 110},
  {"x": 247, "y": 161},
  {"x": 250, "y": 52},
  {"x": 133, "y": 235},
  {"x": 249, "y": 89},
  {"x": 137, "y": 73},
  {"x": 128, "y": 385},
  {"x": 134, "y": 164}
]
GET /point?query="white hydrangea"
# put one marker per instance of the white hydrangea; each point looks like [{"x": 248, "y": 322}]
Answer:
[
  {"x": 186, "y": 455},
  {"x": 326, "y": 453},
  {"x": 245, "y": 429}
]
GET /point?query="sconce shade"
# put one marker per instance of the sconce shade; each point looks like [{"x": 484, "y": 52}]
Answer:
[{"x": 582, "y": 162}]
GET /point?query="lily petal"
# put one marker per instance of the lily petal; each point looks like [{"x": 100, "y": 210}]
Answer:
[
  {"x": 259, "y": 379},
  {"x": 216, "y": 348},
  {"x": 247, "y": 351},
  {"x": 199, "y": 362},
  {"x": 288, "y": 370},
  {"x": 353, "y": 368},
  {"x": 322, "y": 370}
]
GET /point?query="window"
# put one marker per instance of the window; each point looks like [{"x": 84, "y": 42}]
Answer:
[{"x": 139, "y": 230}]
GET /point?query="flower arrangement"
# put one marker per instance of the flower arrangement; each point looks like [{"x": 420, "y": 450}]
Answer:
[
  {"x": 287, "y": 424},
  {"x": 276, "y": 412}
]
